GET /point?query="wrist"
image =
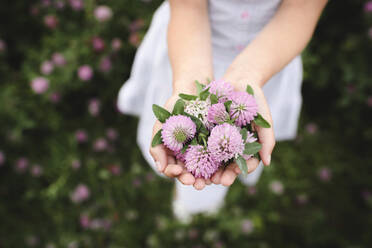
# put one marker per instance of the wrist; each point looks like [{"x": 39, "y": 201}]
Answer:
[
  {"x": 187, "y": 86},
  {"x": 240, "y": 78}
]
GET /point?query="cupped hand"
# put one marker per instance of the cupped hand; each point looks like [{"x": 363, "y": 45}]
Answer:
[
  {"x": 165, "y": 161},
  {"x": 266, "y": 137}
]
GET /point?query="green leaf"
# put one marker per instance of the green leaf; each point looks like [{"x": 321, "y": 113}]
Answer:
[
  {"x": 199, "y": 87},
  {"x": 250, "y": 90},
  {"x": 157, "y": 140},
  {"x": 187, "y": 97},
  {"x": 204, "y": 94},
  {"x": 194, "y": 142},
  {"x": 179, "y": 107},
  {"x": 260, "y": 121},
  {"x": 252, "y": 148},
  {"x": 257, "y": 155},
  {"x": 243, "y": 132},
  {"x": 242, "y": 164},
  {"x": 227, "y": 106},
  {"x": 214, "y": 99},
  {"x": 161, "y": 113},
  {"x": 209, "y": 80},
  {"x": 184, "y": 148}
]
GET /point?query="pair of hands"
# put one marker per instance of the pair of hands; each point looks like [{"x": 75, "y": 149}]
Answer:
[{"x": 167, "y": 164}]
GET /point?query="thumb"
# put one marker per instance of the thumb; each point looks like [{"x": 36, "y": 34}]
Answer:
[{"x": 158, "y": 152}]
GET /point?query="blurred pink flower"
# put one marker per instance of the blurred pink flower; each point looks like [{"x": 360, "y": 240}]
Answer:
[
  {"x": 252, "y": 190},
  {"x": 302, "y": 199},
  {"x": 103, "y": 13},
  {"x": 368, "y": 7},
  {"x": 51, "y": 21},
  {"x": 137, "y": 182},
  {"x": 84, "y": 221},
  {"x": 311, "y": 128},
  {"x": 366, "y": 194},
  {"x": 58, "y": 59},
  {"x": 247, "y": 226},
  {"x": 115, "y": 169},
  {"x": 32, "y": 240},
  {"x": 34, "y": 10},
  {"x": 76, "y": 164},
  {"x": 350, "y": 88},
  {"x": 80, "y": 194},
  {"x": 369, "y": 101},
  {"x": 98, "y": 44},
  {"x": 46, "y": 67},
  {"x": 81, "y": 136},
  {"x": 94, "y": 106},
  {"x": 193, "y": 233},
  {"x": 104, "y": 224},
  {"x": 46, "y": 3},
  {"x": 55, "y": 97},
  {"x": 105, "y": 64},
  {"x": 85, "y": 72},
  {"x": 325, "y": 174},
  {"x": 100, "y": 145},
  {"x": 77, "y": 4},
  {"x": 112, "y": 134},
  {"x": 73, "y": 244},
  {"x": 218, "y": 244},
  {"x": 36, "y": 171},
  {"x": 59, "y": 4},
  {"x": 2, "y": 158},
  {"x": 150, "y": 177},
  {"x": 39, "y": 85},
  {"x": 134, "y": 39},
  {"x": 116, "y": 44},
  {"x": 277, "y": 187},
  {"x": 136, "y": 25},
  {"x": 2, "y": 45},
  {"x": 21, "y": 164},
  {"x": 50, "y": 245},
  {"x": 370, "y": 33}
]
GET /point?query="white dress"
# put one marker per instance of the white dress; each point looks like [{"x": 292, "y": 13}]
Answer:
[{"x": 234, "y": 24}]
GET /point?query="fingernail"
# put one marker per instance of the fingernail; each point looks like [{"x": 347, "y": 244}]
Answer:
[
  {"x": 269, "y": 159},
  {"x": 158, "y": 165}
]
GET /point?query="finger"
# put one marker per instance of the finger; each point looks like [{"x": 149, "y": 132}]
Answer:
[
  {"x": 199, "y": 184},
  {"x": 267, "y": 140},
  {"x": 265, "y": 135},
  {"x": 216, "y": 178},
  {"x": 229, "y": 175},
  {"x": 186, "y": 178},
  {"x": 160, "y": 157},
  {"x": 171, "y": 160},
  {"x": 173, "y": 170},
  {"x": 252, "y": 164},
  {"x": 237, "y": 169},
  {"x": 208, "y": 181},
  {"x": 159, "y": 152}
]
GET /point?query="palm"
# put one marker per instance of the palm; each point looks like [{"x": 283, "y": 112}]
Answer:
[{"x": 171, "y": 167}]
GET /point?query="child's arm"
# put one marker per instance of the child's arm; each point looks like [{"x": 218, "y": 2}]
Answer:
[
  {"x": 189, "y": 44},
  {"x": 189, "y": 48},
  {"x": 283, "y": 38}
]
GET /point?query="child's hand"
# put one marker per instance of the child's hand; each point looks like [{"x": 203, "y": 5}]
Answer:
[
  {"x": 166, "y": 162},
  {"x": 266, "y": 138}
]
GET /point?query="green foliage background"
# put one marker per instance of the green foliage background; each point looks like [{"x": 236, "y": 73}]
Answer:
[{"x": 326, "y": 199}]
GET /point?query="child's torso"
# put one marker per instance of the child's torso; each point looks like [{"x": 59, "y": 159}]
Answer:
[{"x": 234, "y": 23}]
